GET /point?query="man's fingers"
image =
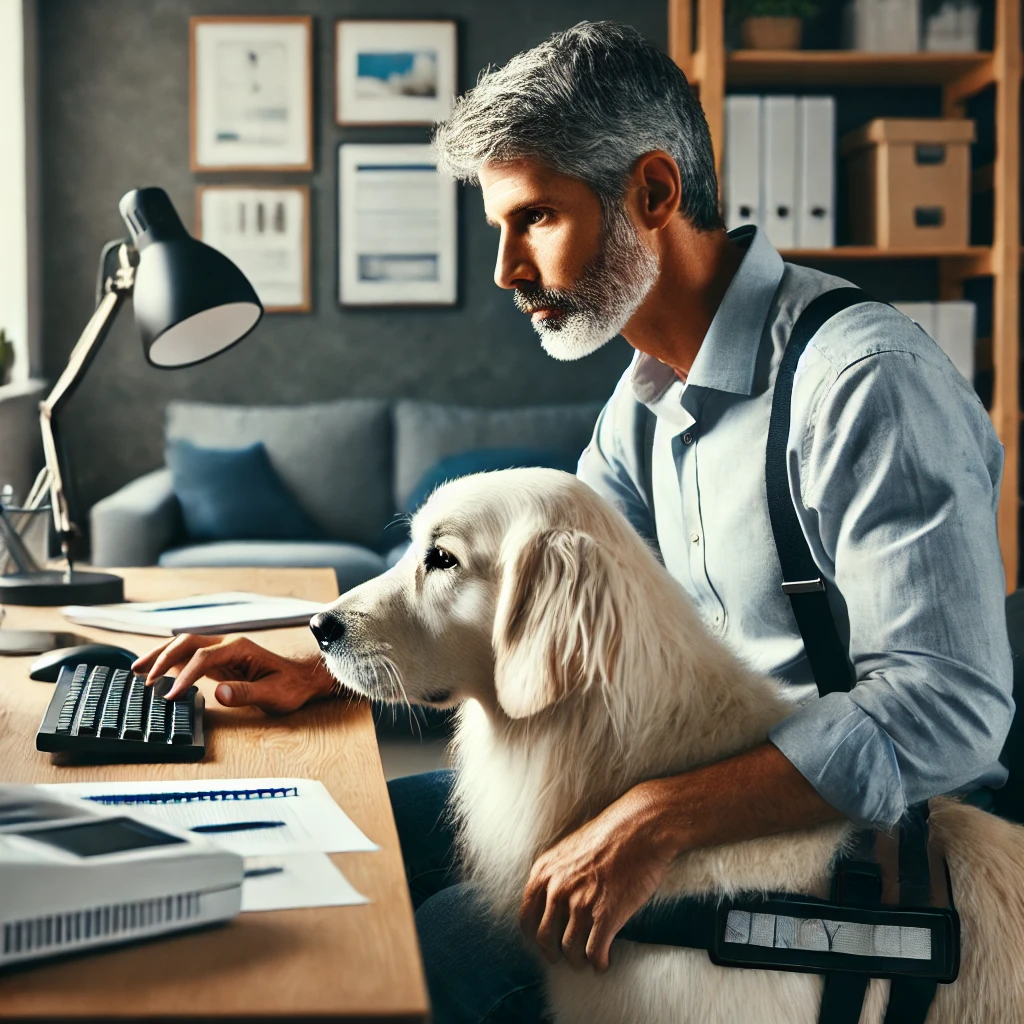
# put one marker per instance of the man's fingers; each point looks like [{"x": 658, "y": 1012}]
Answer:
[
  {"x": 177, "y": 652},
  {"x": 577, "y": 933},
  {"x": 531, "y": 910},
  {"x": 600, "y": 943},
  {"x": 551, "y": 929},
  {"x": 203, "y": 660}
]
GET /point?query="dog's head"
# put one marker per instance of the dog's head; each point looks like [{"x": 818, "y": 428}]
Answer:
[{"x": 512, "y": 593}]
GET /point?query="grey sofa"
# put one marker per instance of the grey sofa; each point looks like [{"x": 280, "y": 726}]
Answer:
[{"x": 351, "y": 464}]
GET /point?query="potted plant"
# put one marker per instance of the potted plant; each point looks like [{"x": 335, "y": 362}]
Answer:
[{"x": 772, "y": 24}]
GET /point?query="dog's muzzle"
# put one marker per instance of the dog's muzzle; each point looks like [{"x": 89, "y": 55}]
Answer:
[{"x": 328, "y": 629}]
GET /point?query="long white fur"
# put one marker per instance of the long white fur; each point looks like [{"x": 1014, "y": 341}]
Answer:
[{"x": 602, "y": 675}]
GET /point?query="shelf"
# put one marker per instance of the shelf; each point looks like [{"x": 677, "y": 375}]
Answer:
[
  {"x": 852, "y": 67},
  {"x": 977, "y": 258}
]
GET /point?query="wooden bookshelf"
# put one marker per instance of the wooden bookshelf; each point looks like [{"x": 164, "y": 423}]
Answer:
[
  {"x": 703, "y": 57},
  {"x": 830, "y": 67}
]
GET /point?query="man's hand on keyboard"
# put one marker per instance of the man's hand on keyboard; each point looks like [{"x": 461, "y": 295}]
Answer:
[{"x": 247, "y": 673}]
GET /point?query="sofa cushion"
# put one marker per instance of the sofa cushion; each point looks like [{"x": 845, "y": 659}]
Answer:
[
  {"x": 234, "y": 494},
  {"x": 334, "y": 457},
  {"x": 352, "y": 563},
  {"x": 485, "y": 460},
  {"x": 426, "y": 433}
]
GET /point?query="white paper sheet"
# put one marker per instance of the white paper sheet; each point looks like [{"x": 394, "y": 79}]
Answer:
[
  {"x": 310, "y": 819},
  {"x": 308, "y": 880}
]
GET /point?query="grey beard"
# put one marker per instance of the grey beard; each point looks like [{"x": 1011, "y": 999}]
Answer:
[{"x": 609, "y": 291}]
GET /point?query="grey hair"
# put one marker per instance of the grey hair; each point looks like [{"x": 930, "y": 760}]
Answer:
[{"x": 588, "y": 102}]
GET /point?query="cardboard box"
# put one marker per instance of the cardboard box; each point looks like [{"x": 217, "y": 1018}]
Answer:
[{"x": 910, "y": 182}]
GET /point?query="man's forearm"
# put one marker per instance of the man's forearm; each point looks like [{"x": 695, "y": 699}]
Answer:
[{"x": 754, "y": 794}]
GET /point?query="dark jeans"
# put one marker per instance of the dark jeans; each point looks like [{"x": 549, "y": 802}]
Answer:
[{"x": 476, "y": 972}]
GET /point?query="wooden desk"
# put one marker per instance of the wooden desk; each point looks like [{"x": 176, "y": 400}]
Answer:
[{"x": 331, "y": 963}]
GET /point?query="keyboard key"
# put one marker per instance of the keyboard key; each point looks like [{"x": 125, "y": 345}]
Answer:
[
  {"x": 68, "y": 708},
  {"x": 110, "y": 715},
  {"x": 181, "y": 719},
  {"x": 156, "y": 722},
  {"x": 131, "y": 727},
  {"x": 90, "y": 703}
]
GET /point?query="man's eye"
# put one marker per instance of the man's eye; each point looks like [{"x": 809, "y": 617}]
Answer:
[
  {"x": 534, "y": 216},
  {"x": 438, "y": 558}
]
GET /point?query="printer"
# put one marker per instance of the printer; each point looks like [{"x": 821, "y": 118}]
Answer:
[{"x": 77, "y": 875}]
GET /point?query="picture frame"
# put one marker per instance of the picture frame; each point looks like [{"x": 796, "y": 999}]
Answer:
[
  {"x": 265, "y": 231},
  {"x": 394, "y": 72},
  {"x": 251, "y": 93},
  {"x": 397, "y": 230}
]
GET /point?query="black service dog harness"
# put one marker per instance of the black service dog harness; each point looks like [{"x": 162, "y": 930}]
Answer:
[{"x": 891, "y": 913}]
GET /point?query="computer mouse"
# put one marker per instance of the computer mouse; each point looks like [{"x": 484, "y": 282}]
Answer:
[{"x": 47, "y": 668}]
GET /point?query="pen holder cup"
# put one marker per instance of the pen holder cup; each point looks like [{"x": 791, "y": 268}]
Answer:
[{"x": 24, "y": 538}]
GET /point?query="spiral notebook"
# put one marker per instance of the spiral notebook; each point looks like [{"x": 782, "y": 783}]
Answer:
[
  {"x": 202, "y": 614},
  {"x": 305, "y": 815},
  {"x": 287, "y": 865}
]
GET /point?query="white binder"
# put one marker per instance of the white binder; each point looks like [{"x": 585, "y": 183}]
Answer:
[
  {"x": 815, "y": 211},
  {"x": 778, "y": 195},
  {"x": 922, "y": 313},
  {"x": 742, "y": 161},
  {"x": 954, "y": 331}
]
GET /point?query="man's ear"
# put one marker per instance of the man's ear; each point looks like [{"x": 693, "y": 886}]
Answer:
[
  {"x": 659, "y": 187},
  {"x": 557, "y": 625}
]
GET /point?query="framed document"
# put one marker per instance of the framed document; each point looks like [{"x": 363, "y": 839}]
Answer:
[
  {"x": 393, "y": 72},
  {"x": 265, "y": 231},
  {"x": 397, "y": 237},
  {"x": 251, "y": 93}
]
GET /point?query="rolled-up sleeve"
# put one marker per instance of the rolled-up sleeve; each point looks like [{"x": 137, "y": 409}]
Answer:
[
  {"x": 612, "y": 464},
  {"x": 896, "y": 482}
]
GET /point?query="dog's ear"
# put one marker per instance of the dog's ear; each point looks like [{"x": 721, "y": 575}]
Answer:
[{"x": 557, "y": 626}]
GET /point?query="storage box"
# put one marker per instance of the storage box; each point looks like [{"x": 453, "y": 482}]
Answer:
[{"x": 910, "y": 183}]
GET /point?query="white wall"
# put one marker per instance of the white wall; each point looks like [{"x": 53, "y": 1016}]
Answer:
[{"x": 16, "y": 314}]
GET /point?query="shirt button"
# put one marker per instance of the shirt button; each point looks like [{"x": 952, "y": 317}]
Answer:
[
  {"x": 687, "y": 438},
  {"x": 695, "y": 537}
]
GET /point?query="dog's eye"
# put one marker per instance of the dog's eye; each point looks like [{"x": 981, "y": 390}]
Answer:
[{"x": 438, "y": 558}]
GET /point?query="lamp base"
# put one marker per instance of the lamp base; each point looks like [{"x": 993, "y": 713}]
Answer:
[{"x": 53, "y": 587}]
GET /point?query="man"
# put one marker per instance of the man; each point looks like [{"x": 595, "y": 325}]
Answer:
[{"x": 596, "y": 167}]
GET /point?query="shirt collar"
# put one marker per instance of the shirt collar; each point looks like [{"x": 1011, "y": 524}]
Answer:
[{"x": 727, "y": 357}]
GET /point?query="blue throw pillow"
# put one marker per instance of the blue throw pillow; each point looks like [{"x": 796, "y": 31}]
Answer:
[
  {"x": 485, "y": 460},
  {"x": 235, "y": 494}
]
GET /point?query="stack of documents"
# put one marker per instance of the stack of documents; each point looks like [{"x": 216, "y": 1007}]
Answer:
[
  {"x": 779, "y": 169},
  {"x": 951, "y": 324},
  {"x": 203, "y": 614},
  {"x": 882, "y": 26},
  {"x": 284, "y": 828}
]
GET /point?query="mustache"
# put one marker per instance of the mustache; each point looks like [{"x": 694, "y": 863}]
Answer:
[{"x": 544, "y": 298}]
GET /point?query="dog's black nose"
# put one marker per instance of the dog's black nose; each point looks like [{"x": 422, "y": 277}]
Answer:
[{"x": 327, "y": 628}]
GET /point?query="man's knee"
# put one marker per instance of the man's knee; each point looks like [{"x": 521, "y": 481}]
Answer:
[
  {"x": 478, "y": 971},
  {"x": 425, "y": 834}
]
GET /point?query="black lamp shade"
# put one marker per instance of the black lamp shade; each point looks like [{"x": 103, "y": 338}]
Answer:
[{"x": 191, "y": 302}]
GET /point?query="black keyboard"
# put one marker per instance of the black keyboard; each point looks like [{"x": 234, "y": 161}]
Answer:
[{"x": 100, "y": 711}]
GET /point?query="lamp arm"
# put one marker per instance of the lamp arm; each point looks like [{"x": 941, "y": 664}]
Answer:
[{"x": 117, "y": 289}]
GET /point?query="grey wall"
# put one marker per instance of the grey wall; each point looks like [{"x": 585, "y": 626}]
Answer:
[{"x": 114, "y": 115}]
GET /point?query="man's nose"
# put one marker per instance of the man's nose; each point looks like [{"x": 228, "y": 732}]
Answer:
[
  {"x": 327, "y": 628},
  {"x": 512, "y": 269}
]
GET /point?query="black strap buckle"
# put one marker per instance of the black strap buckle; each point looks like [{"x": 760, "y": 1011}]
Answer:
[{"x": 760, "y": 933}]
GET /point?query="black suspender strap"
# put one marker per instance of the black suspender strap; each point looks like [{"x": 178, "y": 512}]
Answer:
[{"x": 801, "y": 580}]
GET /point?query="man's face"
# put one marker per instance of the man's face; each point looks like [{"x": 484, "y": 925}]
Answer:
[{"x": 580, "y": 272}]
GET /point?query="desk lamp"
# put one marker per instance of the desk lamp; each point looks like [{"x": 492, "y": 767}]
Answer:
[{"x": 191, "y": 303}]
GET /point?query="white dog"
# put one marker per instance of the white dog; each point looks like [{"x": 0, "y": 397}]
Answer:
[{"x": 581, "y": 669}]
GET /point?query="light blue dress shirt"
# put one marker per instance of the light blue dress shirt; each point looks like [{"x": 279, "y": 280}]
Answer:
[{"x": 894, "y": 470}]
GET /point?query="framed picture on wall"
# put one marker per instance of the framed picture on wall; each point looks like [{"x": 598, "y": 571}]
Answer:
[
  {"x": 251, "y": 93},
  {"x": 265, "y": 231},
  {"x": 397, "y": 231},
  {"x": 393, "y": 72}
]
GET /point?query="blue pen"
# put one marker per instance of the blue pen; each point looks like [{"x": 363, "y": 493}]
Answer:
[{"x": 238, "y": 826}]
